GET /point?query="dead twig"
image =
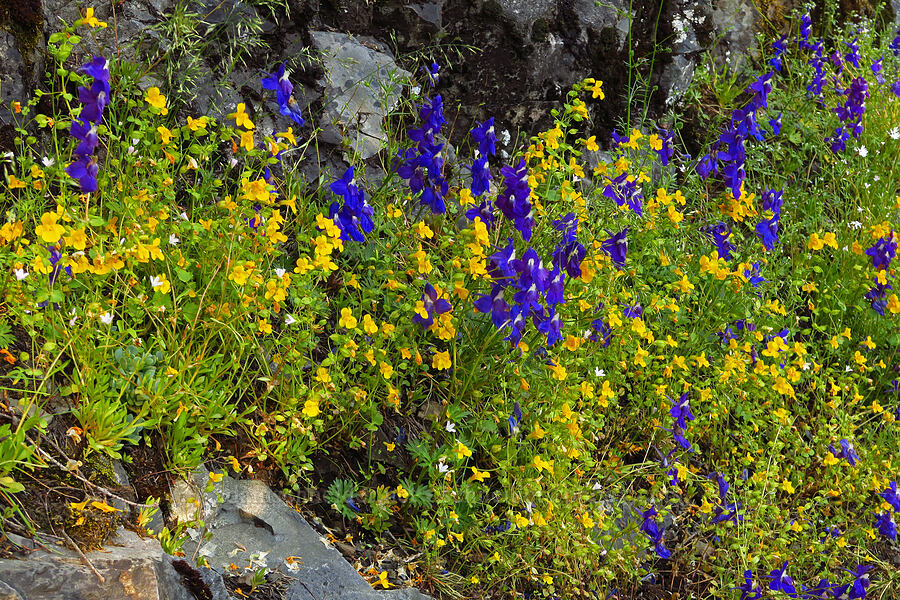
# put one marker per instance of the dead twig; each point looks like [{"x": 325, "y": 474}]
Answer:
[
  {"x": 46, "y": 455},
  {"x": 83, "y": 557}
]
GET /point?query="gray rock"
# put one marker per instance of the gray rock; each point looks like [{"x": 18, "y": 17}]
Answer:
[
  {"x": 132, "y": 569},
  {"x": 252, "y": 525},
  {"x": 8, "y": 593},
  {"x": 362, "y": 86},
  {"x": 13, "y": 75}
]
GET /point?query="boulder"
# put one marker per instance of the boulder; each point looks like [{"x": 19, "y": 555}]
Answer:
[{"x": 362, "y": 85}]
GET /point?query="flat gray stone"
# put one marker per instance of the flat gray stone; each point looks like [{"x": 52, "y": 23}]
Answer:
[{"x": 362, "y": 86}]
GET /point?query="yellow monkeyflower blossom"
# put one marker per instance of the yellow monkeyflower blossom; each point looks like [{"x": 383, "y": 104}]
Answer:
[
  {"x": 157, "y": 100},
  {"x": 241, "y": 118},
  {"x": 441, "y": 361},
  {"x": 49, "y": 230},
  {"x": 90, "y": 20},
  {"x": 461, "y": 450},
  {"x": 479, "y": 476},
  {"x": 347, "y": 319}
]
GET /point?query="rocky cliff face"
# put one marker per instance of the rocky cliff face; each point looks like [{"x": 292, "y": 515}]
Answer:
[{"x": 528, "y": 52}]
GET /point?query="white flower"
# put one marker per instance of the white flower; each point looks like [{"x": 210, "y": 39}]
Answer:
[
  {"x": 599, "y": 372},
  {"x": 173, "y": 240},
  {"x": 862, "y": 151},
  {"x": 848, "y": 369},
  {"x": 289, "y": 320},
  {"x": 21, "y": 274},
  {"x": 48, "y": 162},
  {"x": 442, "y": 466},
  {"x": 895, "y": 133},
  {"x": 505, "y": 137},
  {"x": 280, "y": 273},
  {"x": 450, "y": 426},
  {"x": 854, "y": 225},
  {"x": 107, "y": 318},
  {"x": 155, "y": 281}
]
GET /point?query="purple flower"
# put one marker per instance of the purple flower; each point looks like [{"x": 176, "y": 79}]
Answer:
[
  {"x": 805, "y": 30},
  {"x": 281, "y": 85},
  {"x": 85, "y": 170},
  {"x": 720, "y": 232},
  {"x": 484, "y": 212},
  {"x": 495, "y": 305},
  {"x": 86, "y": 132},
  {"x": 776, "y": 124},
  {"x": 891, "y": 497},
  {"x": 432, "y": 305},
  {"x": 886, "y": 525},
  {"x": 634, "y": 311},
  {"x": 486, "y": 138},
  {"x": 481, "y": 176},
  {"x": 681, "y": 411},
  {"x": 354, "y": 216},
  {"x": 651, "y": 529},
  {"x": 616, "y": 246},
  {"x": 750, "y": 590},
  {"x": 515, "y": 418},
  {"x": 781, "y": 581},
  {"x": 779, "y": 47},
  {"x": 551, "y": 325},
  {"x": 625, "y": 192},
  {"x": 514, "y": 201},
  {"x": 860, "y": 582},
  {"x": 882, "y": 251}
]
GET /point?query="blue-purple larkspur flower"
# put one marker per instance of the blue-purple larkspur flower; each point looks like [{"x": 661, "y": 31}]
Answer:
[{"x": 279, "y": 83}]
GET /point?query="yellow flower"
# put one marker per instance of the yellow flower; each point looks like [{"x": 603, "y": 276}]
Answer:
[
  {"x": 829, "y": 239},
  {"x": 156, "y": 100},
  {"x": 830, "y": 460},
  {"x": 49, "y": 230},
  {"x": 241, "y": 273},
  {"x": 387, "y": 371},
  {"x": 160, "y": 283},
  {"x": 441, "y": 361},
  {"x": 288, "y": 135},
  {"x": 369, "y": 325},
  {"x": 542, "y": 465},
  {"x": 165, "y": 134},
  {"x": 591, "y": 143},
  {"x": 247, "y": 140},
  {"x": 787, "y": 486},
  {"x": 479, "y": 475},
  {"x": 323, "y": 375},
  {"x": 462, "y": 451},
  {"x": 347, "y": 319},
  {"x": 423, "y": 230},
  {"x": 587, "y": 521},
  {"x": 401, "y": 492},
  {"x": 90, "y": 20},
  {"x": 520, "y": 521},
  {"x": 264, "y": 326},
  {"x": 782, "y": 386},
  {"x": 597, "y": 90},
  {"x": 382, "y": 581},
  {"x": 197, "y": 124},
  {"x": 241, "y": 118},
  {"x": 815, "y": 242}
]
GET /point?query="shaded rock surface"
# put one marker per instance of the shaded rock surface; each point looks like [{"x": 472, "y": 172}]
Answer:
[
  {"x": 510, "y": 59},
  {"x": 132, "y": 569},
  {"x": 250, "y": 524}
]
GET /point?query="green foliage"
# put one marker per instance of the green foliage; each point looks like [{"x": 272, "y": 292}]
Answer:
[
  {"x": 338, "y": 493},
  {"x": 202, "y": 297}
]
